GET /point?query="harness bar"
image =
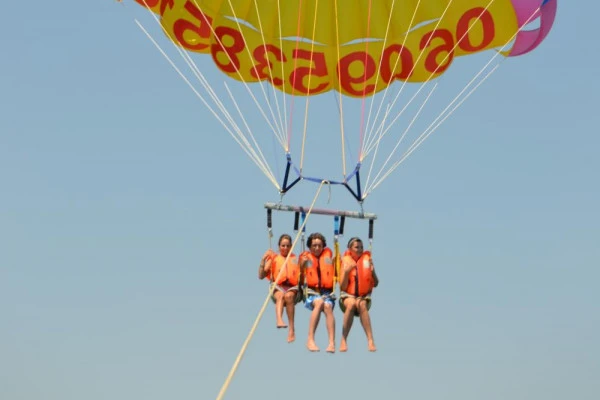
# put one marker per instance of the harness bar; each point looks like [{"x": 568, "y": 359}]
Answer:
[{"x": 321, "y": 211}]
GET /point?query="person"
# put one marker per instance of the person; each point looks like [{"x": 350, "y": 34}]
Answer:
[
  {"x": 285, "y": 277},
  {"x": 357, "y": 280},
  {"x": 318, "y": 271}
]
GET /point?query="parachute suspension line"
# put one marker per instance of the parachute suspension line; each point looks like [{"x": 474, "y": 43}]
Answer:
[
  {"x": 263, "y": 308},
  {"x": 199, "y": 75},
  {"x": 415, "y": 117},
  {"x": 387, "y": 31},
  {"x": 376, "y": 138},
  {"x": 433, "y": 126},
  {"x": 289, "y": 131},
  {"x": 262, "y": 35},
  {"x": 382, "y": 124},
  {"x": 312, "y": 50},
  {"x": 337, "y": 103},
  {"x": 385, "y": 116},
  {"x": 288, "y": 139},
  {"x": 260, "y": 153},
  {"x": 240, "y": 30},
  {"x": 223, "y": 47},
  {"x": 341, "y": 100},
  {"x": 213, "y": 96},
  {"x": 422, "y": 86},
  {"x": 370, "y": 132},
  {"x": 363, "y": 102},
  {"x": 236, "y": 136},
  {"x": 431, "y": 75},
  {"x": 273, "y": 129}
]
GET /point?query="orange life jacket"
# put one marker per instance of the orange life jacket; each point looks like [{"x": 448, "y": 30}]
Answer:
[
  {"x": 320, "y": 273},
  {"x": 360, "y": 279},
  {"x": 291, "y": 274}
]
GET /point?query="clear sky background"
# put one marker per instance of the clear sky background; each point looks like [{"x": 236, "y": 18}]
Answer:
[{"x": 131, "y": 226}]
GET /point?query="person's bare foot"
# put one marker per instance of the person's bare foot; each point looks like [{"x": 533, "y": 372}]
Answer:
[
  {"x": 330, "y": 348},
  {"x": 343, "y": 346},
  {"x": 312, "y": 346},
  {"x": 291, "y": 336},
  {"x": 372, "y": 346},
  {"x": 281, "y": 324}
]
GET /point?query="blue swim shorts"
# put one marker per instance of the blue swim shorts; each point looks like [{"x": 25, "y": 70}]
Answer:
[{"x": 327, "y": 296}]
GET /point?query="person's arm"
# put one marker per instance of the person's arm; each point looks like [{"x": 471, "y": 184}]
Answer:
[
  {"x": 264, "y": 267},
  {"x": 347, "y": 265},
  {"x": 302, "y": 260},
  {"x": 374, "y": 274}
]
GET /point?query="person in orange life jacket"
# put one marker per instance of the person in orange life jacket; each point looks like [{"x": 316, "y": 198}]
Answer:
[
  {"x": 358, "y": 278},
  {"x": 286, "y": 280},
  {"x": 318, "y": 270}
]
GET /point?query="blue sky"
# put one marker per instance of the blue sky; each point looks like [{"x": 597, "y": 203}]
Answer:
[{"x": 132, "y": 225}]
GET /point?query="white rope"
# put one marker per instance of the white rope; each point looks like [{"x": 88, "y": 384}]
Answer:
[
  {"x": 393, "y": 69},
  {"x": 260, "y": 161},
  {"x": 368, "y": 138},
  {"x": 286, "y": 133},
  {"x": 262, "y": 34},
  {"x": 240, "y": 30},
  {"x": 260, "y": 156},
  {"x": 434, "y": 125},
  {"x": 227, "y": 128},
  {"x": 439, "y": 21},
  {"x": 428, "y": 132},
  {"x": 242, "y": 351},
  {"x": 190, "y": 64},
  {"x": 238, "y": 136},
  {"x": 258, "y": 106},
  {"x": 401, "y": 138},
  {"x": 341, "y": 99},
  {"x": 384, "y": 131},
  {"x": 307, "y": 102}
]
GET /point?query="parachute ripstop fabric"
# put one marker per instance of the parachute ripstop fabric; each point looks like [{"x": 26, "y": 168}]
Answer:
[{"x": 357, "y": 47}]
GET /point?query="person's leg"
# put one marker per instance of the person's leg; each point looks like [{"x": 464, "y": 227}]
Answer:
[
  {"x": 365, "y": 320},
  {"x": 349, "y": 312},
  {"x": 289, "y": 300},
  {"x": 313, "y": 323},
  {"x": 278, "y": 295},
  {"x": 330, "y": 322}
]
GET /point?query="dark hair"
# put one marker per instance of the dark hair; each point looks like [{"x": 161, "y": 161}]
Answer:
[
  {"x": 354, "y": 239},
  {"x": 314, "y": 236},
  {"x": 284, "y": 236}
]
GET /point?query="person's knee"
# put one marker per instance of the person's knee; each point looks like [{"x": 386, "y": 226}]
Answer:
[
  {"x": 290, "y": 296},
  {"x": 363, "y": 306},
  {"x": 350, "y": 305},
  {"x": 318, "y": 304}
]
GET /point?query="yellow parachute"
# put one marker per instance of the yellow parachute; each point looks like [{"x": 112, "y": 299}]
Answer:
[{"x": 357, "y": 47}]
